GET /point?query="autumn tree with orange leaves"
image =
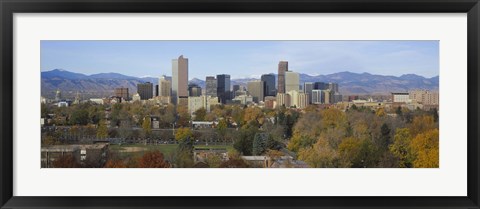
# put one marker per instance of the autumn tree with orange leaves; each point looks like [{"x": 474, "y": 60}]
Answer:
[{"x": 153, "y": 159}]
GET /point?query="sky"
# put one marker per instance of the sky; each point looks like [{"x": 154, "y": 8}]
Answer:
[{"x": 242, "y": 59}]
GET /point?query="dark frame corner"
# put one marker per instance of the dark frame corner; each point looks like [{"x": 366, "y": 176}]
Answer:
[{"x": 9, "y": 7}]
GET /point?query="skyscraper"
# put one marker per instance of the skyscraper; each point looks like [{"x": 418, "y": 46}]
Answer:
[
  {"x": 307, "y": 88},
  {"x": 236, "y": 87},
  {"x": 211, "y": 86},
  {"x": 333, "y": 87},
  {"x": 320, "y": 86},
  {"x": 292, "y": 81},
  {"x": 317, "y": 96},
  {"x": 256, "y": 89},
  {"x": 145, "y": 90},
  {"x": 269, "y": 80},
  {"x": 194, "y": 90},
  {"x": 179, "y": 78},
  {"x": 282, "y": 68},
  {"x": 164, "y": 87},
  {"x": 122, "y": 93},
  {"x": 223, "y": 88}
]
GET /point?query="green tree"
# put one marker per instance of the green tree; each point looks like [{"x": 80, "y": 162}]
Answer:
[
  {"x": 259, "y": 143},
  {"x": 385, "y": 136},
  {"x": 102, "y": 130},
  {"x": 401, "y": 147},
  {"x": 222, "y": 128},
  {"x": 79, "y": 117},
  {"x": 184, "y": 153},
  {"x": 183, "y": 133},
  {"x": 147, "y": 126}
]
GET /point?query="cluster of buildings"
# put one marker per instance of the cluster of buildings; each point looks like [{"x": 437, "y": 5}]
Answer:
[
  {"x": 268, "y": 91},
  {"x": 422, "y": 99}
]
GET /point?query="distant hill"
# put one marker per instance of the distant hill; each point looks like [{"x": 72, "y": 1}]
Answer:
[{"x": 103, "y": 84}]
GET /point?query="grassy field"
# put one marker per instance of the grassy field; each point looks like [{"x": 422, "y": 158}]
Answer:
[{"x": 139, "y": 149}]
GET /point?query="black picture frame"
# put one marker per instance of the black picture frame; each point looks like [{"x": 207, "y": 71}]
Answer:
[{"x": 9, "y": 7}]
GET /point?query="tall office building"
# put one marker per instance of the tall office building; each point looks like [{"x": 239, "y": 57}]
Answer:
[
  {"x": 327, "y": 96},
  {"x": 256, "y": 89},
  {"x": 211, "y": 86},
  {"x": 320, "y": 86},
  {"x": 317, "y": 96},
  {"x": 164, "y": 87},
  {"x": 333, "y": 87},
  {"x": 292, "y": 81},
  {"x": 223, "y": 88},
  {"x": 282, "y": 68},
  {"x": 145, "y": 90},
  {"x": 179, "y": 79},
  {"x": 307, "y": 89},
  {"x": 194, "y": 90},
  {"x": 283, "y": 100},
  {"x": 235, "y": 89},
  {"x": 122, "y": 93},
  {"x": 269, "y": 80}
]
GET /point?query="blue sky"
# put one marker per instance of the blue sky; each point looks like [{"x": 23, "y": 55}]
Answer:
[{"x": 242, "y": 59}]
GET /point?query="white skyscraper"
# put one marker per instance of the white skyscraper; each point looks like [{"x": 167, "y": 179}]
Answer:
[{"x": 292, "y": 81}]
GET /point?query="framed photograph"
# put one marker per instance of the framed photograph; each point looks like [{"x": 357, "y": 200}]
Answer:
[{"x": 239, "y": 104}]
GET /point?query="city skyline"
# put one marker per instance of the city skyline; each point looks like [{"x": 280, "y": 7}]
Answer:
[{"x": 250, "y": 59}]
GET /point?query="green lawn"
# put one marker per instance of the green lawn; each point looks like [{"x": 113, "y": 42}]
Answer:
[{"x": 166, "y": 149}]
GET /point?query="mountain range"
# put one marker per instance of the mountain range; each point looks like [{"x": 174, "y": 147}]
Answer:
[{"x": 103, "y": 84}]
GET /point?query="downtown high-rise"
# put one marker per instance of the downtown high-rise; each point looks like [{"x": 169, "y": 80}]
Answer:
[
  {"x": 179, "y": 79},
  {"x": 164, "y": 87},
  {"x": 223, "y": 88},
  {"x": 145, "y": 90},
  {"x": 269, "y": 80},
  {"x": 211, "y": 86},
  {"x": 282, "y": 68}
]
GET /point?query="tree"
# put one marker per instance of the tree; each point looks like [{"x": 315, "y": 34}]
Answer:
[
  {"x": 425, "y": 146},
  {"x": 125, "y": 131},
  {"x": 102, "y": 130},
  {"x": 244, "y": 139},
  {"x": 385, "y": 136},
  {"x": 184, "y": 153},
  {"x": 259, "y": 143},
  {"x": 350, "y": 150},
  {"x": 200, "y": 114},
  {"x": 79, "y": 117},
  {"x": 321, "y": 155},
  {"x": 422, "y": 124},
  {"x": 153, "y": 159},
  {"x": 399, "y": 111},
  {"x": 214, "y": 161},
  {"x": 183, "y": 133},
  {"x": 253, "y": 114},
  {"x": 66, "y": 161},
  {"x": 380, "y": 112},
  {"x": 222, "y": 128},
  {"x": 333, "y": 118},
  {"x": 115, "y": 163},
  {"x": 401, "y": 147},
  {"x": 183, "y": 116},
  {"x": 147, "y": 126}
]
